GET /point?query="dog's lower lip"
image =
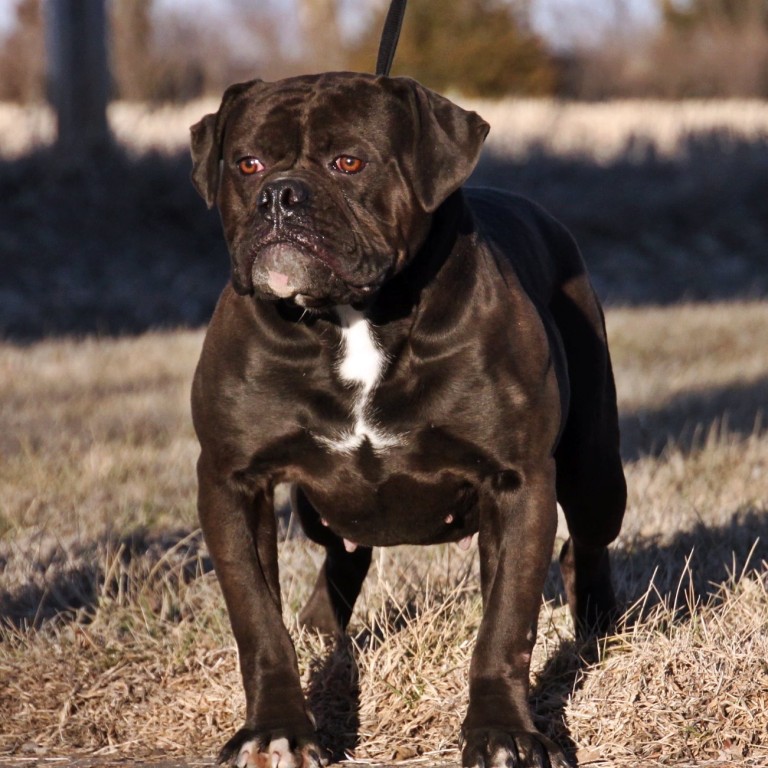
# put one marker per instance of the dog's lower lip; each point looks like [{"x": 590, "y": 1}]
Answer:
[
  {"x": 279, "y": 284},
  {"x": 306, "y": 247}
]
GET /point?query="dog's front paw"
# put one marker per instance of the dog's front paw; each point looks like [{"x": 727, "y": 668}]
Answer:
[
  {"x": 249, "y": 748},
  {"x": 495, "y": 748}
]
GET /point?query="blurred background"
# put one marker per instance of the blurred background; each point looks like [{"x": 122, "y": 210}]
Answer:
[
  {"x": 641, "y": 123},
  {"x": 177, "y": 50}
]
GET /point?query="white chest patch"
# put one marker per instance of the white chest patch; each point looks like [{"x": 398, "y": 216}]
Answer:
[{"x": 361, "y": 363}]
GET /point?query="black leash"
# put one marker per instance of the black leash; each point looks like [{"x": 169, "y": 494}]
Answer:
[{"x": 389, "y": 36}]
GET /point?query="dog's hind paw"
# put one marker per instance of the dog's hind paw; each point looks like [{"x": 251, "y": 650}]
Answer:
[
  {"x": 495, "y": 748},
  {"x": 248, "y": 749}
]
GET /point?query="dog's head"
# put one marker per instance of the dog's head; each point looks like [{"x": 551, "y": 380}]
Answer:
[{"x": 326, "y": 183}]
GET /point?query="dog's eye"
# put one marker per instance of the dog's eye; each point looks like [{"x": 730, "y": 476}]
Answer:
[
  {"x": 250, "y": 165},
  {"x": 348, "y": 164}
]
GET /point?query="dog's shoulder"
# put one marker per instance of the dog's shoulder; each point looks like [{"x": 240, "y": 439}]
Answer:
[
  {"x": 504, "y": 215},
  {"x": 522, "y": 234}
]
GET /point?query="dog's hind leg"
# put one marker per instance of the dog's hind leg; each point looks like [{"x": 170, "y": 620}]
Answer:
[
  {"x": 590, "y": 481},
  {"x": 341, "y": 577}
]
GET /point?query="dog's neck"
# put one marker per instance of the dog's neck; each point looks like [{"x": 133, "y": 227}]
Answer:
[{"x": 402, "y": 294}]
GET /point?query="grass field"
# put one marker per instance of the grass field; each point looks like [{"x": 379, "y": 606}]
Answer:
[
  {"x": 601, "y": 131},
  {"x": 115, "y": 640}
]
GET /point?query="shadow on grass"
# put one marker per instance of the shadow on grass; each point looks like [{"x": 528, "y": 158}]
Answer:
[
  {"x": 654, "y": 229},
  {"x": 68, "y": 583},
  {"x": 687, "y": 419},
  {"x": 118, "y": 246},
  {"x": 124, "y": 244},
  {"x": 333, "y": 696},
  {"x": 695, "y": 564}
]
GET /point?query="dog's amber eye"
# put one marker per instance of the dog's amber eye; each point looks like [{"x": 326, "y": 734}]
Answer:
[
  {"x": 250, "y": 165},
  {"x": 348, "y": 164}
]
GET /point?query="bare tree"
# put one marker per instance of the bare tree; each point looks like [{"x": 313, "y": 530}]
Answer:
[
  {"x": 479, "y": 47},
  {"x": 131, "y": 44},
  {"x": 22, "y": 55}
]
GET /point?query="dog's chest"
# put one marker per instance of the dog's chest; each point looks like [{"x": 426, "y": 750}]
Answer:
[
  {"x": 389, "y": 455},
  {"x": 360, "y": 365}
]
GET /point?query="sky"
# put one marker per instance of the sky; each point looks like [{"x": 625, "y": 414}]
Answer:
[
  {"x": 565, "y": 22},
  {"x": 6, "y": 13},
  {"x": 561, "y": 21}
]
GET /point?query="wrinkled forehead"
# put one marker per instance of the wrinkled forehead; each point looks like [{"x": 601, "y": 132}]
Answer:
[{"x": 319, "y": 110}]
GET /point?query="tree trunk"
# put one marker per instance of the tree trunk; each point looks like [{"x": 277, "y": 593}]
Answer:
[{"x": 78, "y": 74}]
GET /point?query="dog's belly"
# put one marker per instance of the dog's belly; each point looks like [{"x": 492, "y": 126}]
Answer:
[{"x": 398, "y": 506}]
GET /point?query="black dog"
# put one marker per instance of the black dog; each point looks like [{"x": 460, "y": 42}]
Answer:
[{"x": 422, "y": 362}]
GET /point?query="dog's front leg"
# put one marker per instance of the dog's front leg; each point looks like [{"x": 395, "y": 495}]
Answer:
[
  {"x": 516, "y": 537},
  {"x": 240, "y": 531}
]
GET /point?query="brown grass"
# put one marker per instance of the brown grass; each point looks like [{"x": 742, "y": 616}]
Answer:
[
  {"x": 117, "y": 642},
  {"x": 599, "y": 131}
]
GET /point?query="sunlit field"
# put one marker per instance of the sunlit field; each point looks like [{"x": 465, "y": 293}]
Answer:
[{"x": 600, "y": 131}]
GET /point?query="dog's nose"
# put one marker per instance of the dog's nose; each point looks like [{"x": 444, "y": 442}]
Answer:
[{"x": 281, "y": 197}]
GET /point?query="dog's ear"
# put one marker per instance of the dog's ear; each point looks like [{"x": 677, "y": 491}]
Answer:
[
  {"x": 206, "y": 139},
  {"x": 447, "y": 144}
]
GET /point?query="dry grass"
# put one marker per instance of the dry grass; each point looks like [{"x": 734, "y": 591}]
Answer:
[
  {"x": 683, "y": 691},
  {"x": 602, "y": 132},
  {"x": 116, "y": 639}
]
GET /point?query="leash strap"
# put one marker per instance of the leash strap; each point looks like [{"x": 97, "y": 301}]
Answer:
[{"x": 389, "y": 36}]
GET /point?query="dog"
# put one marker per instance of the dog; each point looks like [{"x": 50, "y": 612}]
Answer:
[{"x": 423, "y": 361}]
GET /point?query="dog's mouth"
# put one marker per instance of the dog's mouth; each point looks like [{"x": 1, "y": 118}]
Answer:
[{"x": 285, "y": 269}]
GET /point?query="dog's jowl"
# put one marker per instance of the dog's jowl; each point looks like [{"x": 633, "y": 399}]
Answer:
[{"x": 422, "y": 361}]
